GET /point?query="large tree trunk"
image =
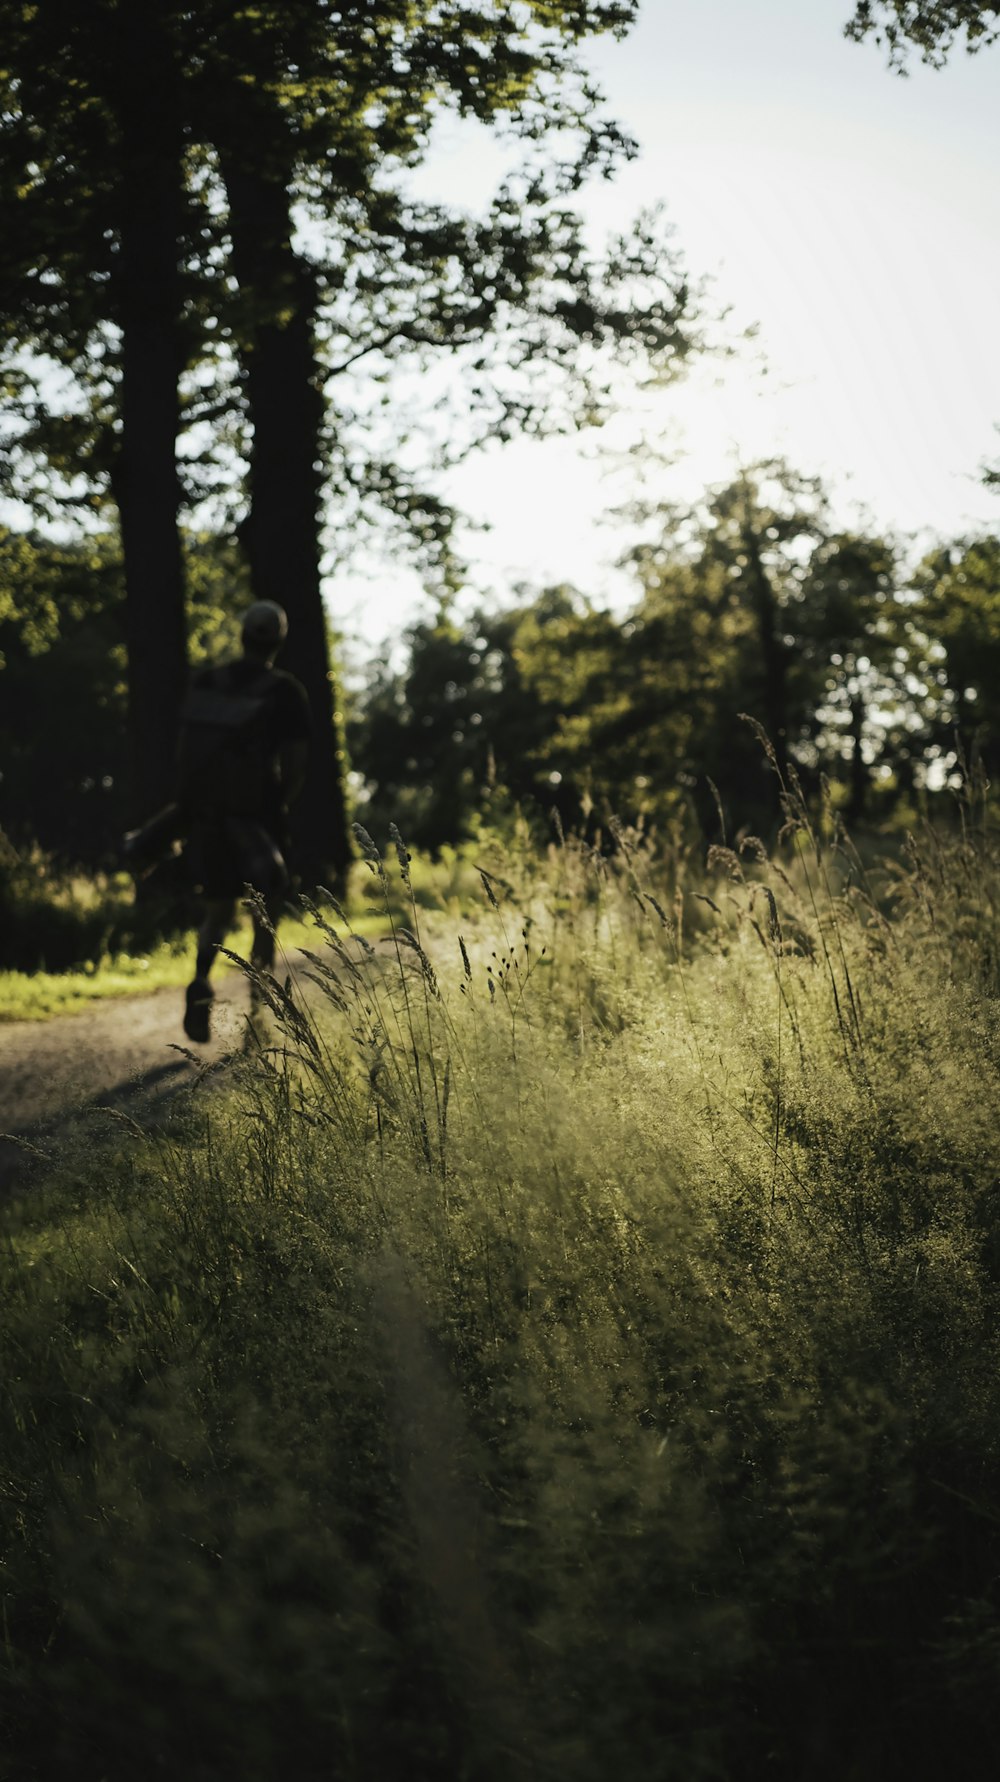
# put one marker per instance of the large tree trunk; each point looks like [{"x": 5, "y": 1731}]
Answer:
[
  {"x": 282, "y": 530},
  {"x": 145, "y": 482},
  {"x": 859, "y": 772}
]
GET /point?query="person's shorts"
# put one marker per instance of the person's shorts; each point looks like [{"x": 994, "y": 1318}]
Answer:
[{"x": 225, "y": 854}]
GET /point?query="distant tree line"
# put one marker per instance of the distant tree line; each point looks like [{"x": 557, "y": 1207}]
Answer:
[
  {"x": 879, "y": 676},
  {"x": 755, "y": 604}
]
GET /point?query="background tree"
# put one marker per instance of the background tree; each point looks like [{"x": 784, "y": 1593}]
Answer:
[
  {"x": 463, "y": 714},
  {"x": 943, "y": 674},
  {"x": 954, "y": 649},
  {"x": 95, "y": 211},
  {"x": 811, "y": 622},
  {"x": 278, "y": 115},
  {"x": 62, "y": 660},
  {"x": 334, "y": 121},
  {"x": 931, "y": 26},
  {"x": 64, "y": 742},
  {"x": 751, "y": 602},
  {"x": 732, "y": 586},
  {"x": 848, "y": 639}
]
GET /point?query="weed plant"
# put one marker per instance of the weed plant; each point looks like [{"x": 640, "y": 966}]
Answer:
[{"x": 692, "y": 1174}]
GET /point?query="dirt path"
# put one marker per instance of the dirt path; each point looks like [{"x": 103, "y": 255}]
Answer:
[
  {"x": 122, "y": 1050},
  {"x": 449, "y": 1520}
]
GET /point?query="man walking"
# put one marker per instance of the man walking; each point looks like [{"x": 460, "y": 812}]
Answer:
[{"x": 243, "y": 751}]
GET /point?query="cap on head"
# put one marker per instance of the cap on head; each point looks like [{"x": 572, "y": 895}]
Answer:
[{"x": 265, "y": 626}]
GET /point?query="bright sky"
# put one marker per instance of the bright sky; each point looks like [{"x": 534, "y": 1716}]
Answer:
[{"x": 852, "y": 214}]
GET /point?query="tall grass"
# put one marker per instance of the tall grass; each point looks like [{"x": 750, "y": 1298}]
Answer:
[{"x": 693, "y": 1176}]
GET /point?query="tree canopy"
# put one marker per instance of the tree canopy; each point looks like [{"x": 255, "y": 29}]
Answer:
[
  {"x": 219, "y": 287},
  {"x": 214, "y": 230},
  {"x": 752, "y": 604},
  {"x": 930, "y": 26}
]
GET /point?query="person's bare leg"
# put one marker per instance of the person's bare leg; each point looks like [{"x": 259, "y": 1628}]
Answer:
[{"x": 219, "y": 917}]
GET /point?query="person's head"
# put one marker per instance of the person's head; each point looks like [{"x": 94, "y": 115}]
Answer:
[{"x": 265, "y": 627}]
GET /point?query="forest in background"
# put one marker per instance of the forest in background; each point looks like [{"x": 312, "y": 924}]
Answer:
[
  {"x": 218, "y": 273},
  {"x": 876, "y": 674},
  {"x": 218, "y": 284}
]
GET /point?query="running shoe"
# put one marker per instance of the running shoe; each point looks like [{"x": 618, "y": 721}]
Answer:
[{"x": 197, "y": 1008}]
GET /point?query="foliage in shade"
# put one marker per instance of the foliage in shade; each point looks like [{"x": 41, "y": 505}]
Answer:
[
  {"x": 158, "y": 164},
  {"x": 63, "y": 683}
]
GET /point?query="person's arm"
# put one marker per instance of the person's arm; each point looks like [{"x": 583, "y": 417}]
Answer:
[
  {"x": 294, "y": 731},
  {"x": 144, "y": 848},
  {"x": 293, "y": 758}
]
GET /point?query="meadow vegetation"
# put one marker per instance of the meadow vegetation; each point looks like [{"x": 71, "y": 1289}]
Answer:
[{"x": 691, "y": 1171}]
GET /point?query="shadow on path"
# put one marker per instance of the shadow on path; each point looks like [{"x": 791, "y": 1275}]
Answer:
[
  {"x": 26, "y": 1149},
  {"x": 60, "y": 1080}
]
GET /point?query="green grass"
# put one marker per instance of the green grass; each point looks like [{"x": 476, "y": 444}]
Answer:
[
  {"x": 695, "y": 1176},
  {"x": 39, "y": 995},
  {"x": 67, "y": 940},
  {"x": 36, "y": 996}
]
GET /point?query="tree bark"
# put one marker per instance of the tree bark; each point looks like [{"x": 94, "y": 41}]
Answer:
[
  {"x": 145, "y": 481},
  {"x": 282, "y": 380},
  {"x": 859, "y": 772}
]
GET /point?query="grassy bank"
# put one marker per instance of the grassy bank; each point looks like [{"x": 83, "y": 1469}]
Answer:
[
  {"x": 38, "y": 995},
  {"x": 68, "y": 940},
  {"x": 695, "y": 1176}
]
